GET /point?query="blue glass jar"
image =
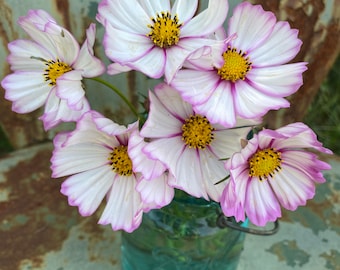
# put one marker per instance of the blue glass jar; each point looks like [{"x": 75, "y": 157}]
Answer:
[{"x": 182, "y": 236}]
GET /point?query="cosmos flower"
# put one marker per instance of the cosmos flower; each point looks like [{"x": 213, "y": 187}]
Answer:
[
  {"x": 274, "y": 169},
  {"x": 48, "y": 69},
  {"x": 250, "y": 76},
  {"x": 155, "y": 37},
  {"x": 95, "y": 157},
  {"x": 188, "y": 144}
]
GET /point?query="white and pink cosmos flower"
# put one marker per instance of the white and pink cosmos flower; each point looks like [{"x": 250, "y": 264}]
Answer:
[
  {"x": 155, "y": 37},
  {"x": 250, "y": 76},
  {"x": 274, "y": 169},
  {"x": 96, "y": 158},
  {"x": 189, "y": 146},
  {"x": 48, "y": 69}
]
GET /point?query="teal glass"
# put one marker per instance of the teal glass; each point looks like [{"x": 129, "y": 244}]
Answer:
[{"x": 182, "y": 236}]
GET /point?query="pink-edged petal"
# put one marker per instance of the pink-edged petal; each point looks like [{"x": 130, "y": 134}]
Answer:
[
  {"x": 213, "y": 172},
  {"x": 240, "y": 158},
  {"x": 156, "y": 192},
  {"x": 115, "y": 68},
  {"x": 26, "y": 55},
  {"x": 77, "y": 158},
  {"x": 252, "y": 24},
  {"x": 152, "y": 64},
  {"x": 250, "y": 103},
  {"x": 87, "y": 189},
  {"x": 172, "y": 101},
  {"x": 278, "y": 81},
  {"x": 34, "y": 24},
  {"x": 154, "y": 7},
  {"x": 108, "y": 126},
  {"x": 57, "y": 110},
  {"x": 195, "y": 91},
  {"x": 167, "y": 150},
  {"x": 260, "y": 203},
  {"x": 206, "y": 21},
  {"x": 90, "y": 65},
  {"x": 128, "y": 16},
  {"x": 69, "y": 88},
  {"x": 221, "y": 145},
  {"x": 233, "y": 197},
  {"x": 296, "y": 135},
  {"x": 123, "y": 209},
  {"x": 208, "y": 57},
  {"x": 66, "y": 46},
  {"x": 306, "y": 162},
  {"x": 222, "y": 101},
  {"x": 149, "y": 168},
  {"x": 161, "y": 123},
  {"x": 292, "y": 187},
  {"x": 188, "y": 173},
  {"x": 124, "y": 47},
  {"x": 184, "y": 10},
  {"x": 284, "y": 40},
  {"x": 27, "y": 90}
]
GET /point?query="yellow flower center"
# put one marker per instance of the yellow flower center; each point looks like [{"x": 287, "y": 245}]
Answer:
[
  {"x": 120, "y": 161},
  {"x": 165, "y": 30},
  {"x": 236, "y": 65},
  {"x": 54, "y": 70},
  {"x": 265, "y": 163},
  {"x": 197, "y": 132}
]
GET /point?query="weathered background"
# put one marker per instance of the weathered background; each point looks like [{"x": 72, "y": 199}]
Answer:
[{"x": 38, "y": 230}]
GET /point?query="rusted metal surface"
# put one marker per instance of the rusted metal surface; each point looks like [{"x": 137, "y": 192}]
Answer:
[
  {"x": 318, "y": 22},
  {"x": 38, "y": 229}
]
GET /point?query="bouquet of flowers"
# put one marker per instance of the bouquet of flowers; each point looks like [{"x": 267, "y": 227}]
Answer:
[{"x": 202, "y": 130}]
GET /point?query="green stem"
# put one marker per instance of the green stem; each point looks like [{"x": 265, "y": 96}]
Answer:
[{"x": 119, "y": 93}]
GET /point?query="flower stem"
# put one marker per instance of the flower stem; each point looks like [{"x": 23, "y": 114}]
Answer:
[{"x": 119, "y": 93}]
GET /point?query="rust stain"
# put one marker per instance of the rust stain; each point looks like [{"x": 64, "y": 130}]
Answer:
[
  {"x": 6, "y": 15},
  {"x": 132, "y": 86},
  {"x": 36, "y": 218},
  {"x": 63, "y": 7}
]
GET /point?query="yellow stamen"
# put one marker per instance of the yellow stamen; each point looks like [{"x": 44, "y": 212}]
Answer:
[
  {"x": 165, "y": 30},
  {"x": 54, "y": 70},
  {"x": 265, "y": 163},
  {"x": 120, "y": 161},
  {"x": 236, "y": 65},
  {"x": 197, "y": 132}
]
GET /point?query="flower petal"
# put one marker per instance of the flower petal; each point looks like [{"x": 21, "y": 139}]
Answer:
[
  {"x": 252, "y": 24},
  {"x": 261, "y": 204},
  {"x": 207, "y": 21},
  {"x": 222, "y": 102},
  {"x": 90, "y": 65},
  {"x": 128, "y": 47},
  {"x": 156, "y": 192},
  {"x": 27, "y": 90},
  {"x": 87, "y": 189},
  {"x": 284, "y": 40},
  {"x": 184, "y": 10},
  {"x": 250, "y": 103},
  {"x": 149, "y": 168},
  {"x": 278, "y": 81},
  {"x": 128, "y": 16},
  {"x": 124, "y": 206}
]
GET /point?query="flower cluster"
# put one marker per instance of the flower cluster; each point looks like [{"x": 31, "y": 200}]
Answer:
[{"x": 217, "y": 85}]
